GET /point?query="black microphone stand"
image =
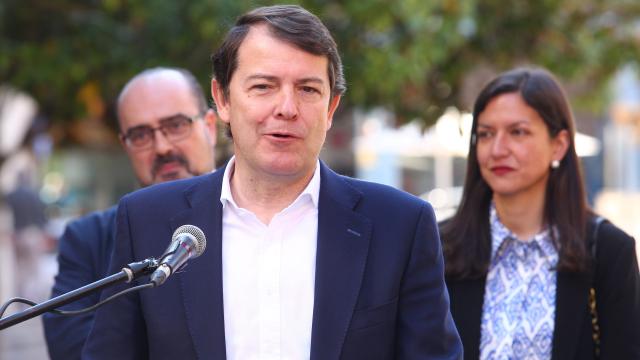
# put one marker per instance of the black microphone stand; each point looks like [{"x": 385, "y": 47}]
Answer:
[{"x": 128, "y": 273}]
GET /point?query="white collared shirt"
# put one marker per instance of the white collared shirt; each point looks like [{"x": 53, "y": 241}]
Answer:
[{"x": 268, "y": 276}]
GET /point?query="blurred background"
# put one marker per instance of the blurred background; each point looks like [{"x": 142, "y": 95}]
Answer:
[{"x": 413, "y": 69}]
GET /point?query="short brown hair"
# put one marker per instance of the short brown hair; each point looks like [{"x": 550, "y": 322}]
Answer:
[{"x": 290, "y": 23}]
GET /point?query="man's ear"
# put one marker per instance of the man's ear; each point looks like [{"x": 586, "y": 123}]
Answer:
[
  {"x": 210, "y": 119},
  {"x": 122, "y": 141},
  {"x": 333, "y": 105},
  {"x": 222, "y": 103}
]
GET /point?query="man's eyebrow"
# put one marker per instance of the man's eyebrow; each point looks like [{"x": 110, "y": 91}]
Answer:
[
  {"x": 160, "y": 120},
  {"x": 261, "y": 77},
  {"x": 306, "y": 80},
  {"x": 312, "y": 79},
  {"x": 137, "y": 127},
  {"x": 173, "y": 116},
  {"x": 314, "y": 82}
]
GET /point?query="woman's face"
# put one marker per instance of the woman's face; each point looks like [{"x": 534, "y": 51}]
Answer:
[{"x": 514, "y": 148}]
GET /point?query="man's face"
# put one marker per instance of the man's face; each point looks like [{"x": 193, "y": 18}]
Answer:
[
  {"x": 279, "y": 107},
  {"x": 157, "y": 100}
]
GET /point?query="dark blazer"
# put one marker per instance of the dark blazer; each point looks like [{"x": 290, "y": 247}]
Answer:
[
  {"x": 379, "y": 286},
  {"x": 617, "y": 285},
  {"x": 85, "y": 249}
]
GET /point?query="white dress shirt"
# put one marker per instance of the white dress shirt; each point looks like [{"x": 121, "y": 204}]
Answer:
[{"x": 268, "y": 276}]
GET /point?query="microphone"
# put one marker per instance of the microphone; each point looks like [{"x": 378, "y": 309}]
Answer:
[{"x": 188, "y": 242}]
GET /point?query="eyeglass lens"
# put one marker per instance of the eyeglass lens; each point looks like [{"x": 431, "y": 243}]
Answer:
[{"x": 174, "y": 128}]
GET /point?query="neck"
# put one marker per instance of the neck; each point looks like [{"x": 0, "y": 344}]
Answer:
[
  {"x": 266, "y": 196},
  {"x": 523, "y": 215}
]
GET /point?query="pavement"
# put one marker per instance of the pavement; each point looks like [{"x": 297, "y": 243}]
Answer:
[{"x": 23, "y": 341}]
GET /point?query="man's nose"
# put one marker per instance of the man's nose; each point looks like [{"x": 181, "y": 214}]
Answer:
[
  {"x": 287, "y": 107},
  {"x": 160, "y": 142}
]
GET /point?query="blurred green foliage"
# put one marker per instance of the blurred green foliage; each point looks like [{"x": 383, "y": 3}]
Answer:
[{"x": 414, "y": 56}]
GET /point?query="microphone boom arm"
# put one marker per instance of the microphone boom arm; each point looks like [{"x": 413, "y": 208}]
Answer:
[{"x": 129, "y": 273}]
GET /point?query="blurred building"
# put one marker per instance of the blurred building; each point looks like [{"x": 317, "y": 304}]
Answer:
[
  {"x": 431, "y": 163},
  {"x": 621, "y": 137},
  {"x": 23, "y": 237}
]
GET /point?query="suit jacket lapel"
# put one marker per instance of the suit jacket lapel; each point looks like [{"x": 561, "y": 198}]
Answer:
[
  {"x": 203, "y": 301},
  {"x": 342, "y": 248},
  {"x": 571, "y": 302}
]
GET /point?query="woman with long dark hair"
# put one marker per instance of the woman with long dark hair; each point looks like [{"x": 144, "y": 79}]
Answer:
[{"x": 532, "y": 272}]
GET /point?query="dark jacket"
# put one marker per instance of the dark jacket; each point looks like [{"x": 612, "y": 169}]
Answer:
[
  {"x": 617, "y": 285},
  {"x": 379, "y": 287},
  {"x": 85, "y": 250}
]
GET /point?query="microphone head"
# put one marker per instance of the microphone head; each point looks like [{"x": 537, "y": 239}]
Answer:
[{"x": 201, "y": 241}]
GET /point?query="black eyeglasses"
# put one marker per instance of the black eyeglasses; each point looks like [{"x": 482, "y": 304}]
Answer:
[{"x": 174, "y": 128}]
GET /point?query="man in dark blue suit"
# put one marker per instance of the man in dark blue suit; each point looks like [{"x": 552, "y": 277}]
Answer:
[
  {"x": 165, "y": 99},
  {"x": 301, "y": 263}
]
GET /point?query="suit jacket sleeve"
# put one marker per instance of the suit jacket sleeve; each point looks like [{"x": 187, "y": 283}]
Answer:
[
  {"x": 84, "y": 253},
  {"x": 425, "y": 327},
  {"x": 618, "y": 294},
  {"x": 119, "y": 330}
]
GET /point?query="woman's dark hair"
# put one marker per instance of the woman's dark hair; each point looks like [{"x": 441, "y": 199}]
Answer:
[
  {"x": 289, "y": 23},
  {"x": 467, "y": 236}
]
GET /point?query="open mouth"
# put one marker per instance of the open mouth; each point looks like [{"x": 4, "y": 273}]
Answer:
[{"x": 281, "y": 136}]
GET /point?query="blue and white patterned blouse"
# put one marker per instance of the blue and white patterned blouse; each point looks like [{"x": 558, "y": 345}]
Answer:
[{"x": 518, "y": 313}]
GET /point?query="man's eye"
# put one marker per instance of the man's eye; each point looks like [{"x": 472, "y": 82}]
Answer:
[
  {"x": 138, "y": 135},
  {"x": 176, "y": 124},
  {"x": 310, "y": 89}
]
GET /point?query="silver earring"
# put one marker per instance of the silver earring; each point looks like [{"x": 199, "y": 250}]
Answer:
[{"x": 555, "y": 164}]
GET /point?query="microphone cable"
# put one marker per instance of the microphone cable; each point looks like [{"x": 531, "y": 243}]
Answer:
[{"x": 74, "y": 312}]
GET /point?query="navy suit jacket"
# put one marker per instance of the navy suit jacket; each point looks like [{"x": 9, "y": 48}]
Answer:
[
  {"x": 379, "y": 286},
  {"x": 85, "y": 249}
]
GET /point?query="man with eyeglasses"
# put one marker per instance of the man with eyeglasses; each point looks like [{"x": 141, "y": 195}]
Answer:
[{"x": 169, "y": 133}]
